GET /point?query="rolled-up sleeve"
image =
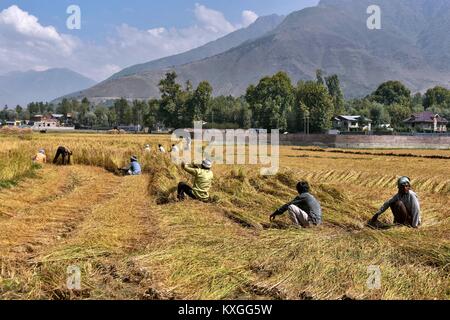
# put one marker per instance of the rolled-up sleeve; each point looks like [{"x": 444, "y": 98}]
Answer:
[{"x": 190, "y": 170}]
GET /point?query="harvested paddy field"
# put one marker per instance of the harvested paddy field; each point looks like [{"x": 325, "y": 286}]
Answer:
[{"x": 132, "y": 240}]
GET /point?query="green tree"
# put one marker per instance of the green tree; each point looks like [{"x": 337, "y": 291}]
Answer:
[
  {"x": 314, "y": 101},
  {"x": 150, "y": 117},
  {"x": 64, "y": 107},
  {"x": 33, "y": 108},
  {"x": 123, "y": 112},
  {"x": 170, "y": 99},
  {"x": 379, "y": 115},
  {"x": 335, "y": 91},
  {"x": 101, "y": 113},
  {"x": 271, "y": 101},
  {"x": 19, "y": 111},
  {"x": 200, "y": 102},
  {"x": 139, "y": 109},
  {"x": 319, "y": 77},
  {"x": 437, "y": 97},
  {"x": 392, "y": 92},
  {"x": 398, "y": 113},
  {"x": 85, "y": 105},
  {"x": 245, "y": 115},
  {"x": 90, "y": 119},
  {"x": 112, "y": 117}
]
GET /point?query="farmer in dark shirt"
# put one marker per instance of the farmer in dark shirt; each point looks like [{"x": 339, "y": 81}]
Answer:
[
  {"x": 304, "y": 210},
  {"x": 65, "y": 154}
]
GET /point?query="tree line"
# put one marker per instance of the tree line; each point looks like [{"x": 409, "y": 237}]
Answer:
[{"x": 274, "y": 103}]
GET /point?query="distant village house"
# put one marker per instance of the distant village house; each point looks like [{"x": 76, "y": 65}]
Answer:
[
  {"x": 49, "y": 122},
  {"x": 345, "y": 123},
  {"x": 426, "y": 121}
]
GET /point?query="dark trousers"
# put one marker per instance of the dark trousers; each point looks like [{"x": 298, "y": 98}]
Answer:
[
  {"x": 64, "y": 154},
  {"x": 183, "y": 189},
  {"x": 401, "y": 213}
]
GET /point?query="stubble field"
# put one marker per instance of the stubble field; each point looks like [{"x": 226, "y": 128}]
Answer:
[{"x": 132, "y": 240}]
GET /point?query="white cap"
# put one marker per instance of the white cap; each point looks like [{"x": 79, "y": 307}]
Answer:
[{"x": 207, "y": 164}]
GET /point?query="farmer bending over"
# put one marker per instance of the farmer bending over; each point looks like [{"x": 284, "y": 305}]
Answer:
[
  {"x": 65, "y": 153},
  {"x": 203, "y": 178},
  {"x": 304, "y": 210},
  {"x": 404, "y": 205}
]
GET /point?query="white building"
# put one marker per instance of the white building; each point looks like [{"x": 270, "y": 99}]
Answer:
[{"x": 352, "y": 123}]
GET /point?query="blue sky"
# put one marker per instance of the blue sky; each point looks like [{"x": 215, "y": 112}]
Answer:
[
  {"x": 116, "y": 33},
  {"x": 100, "y": 16}
]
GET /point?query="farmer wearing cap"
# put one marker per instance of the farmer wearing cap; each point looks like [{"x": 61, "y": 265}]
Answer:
[
  {"x": 147, "y": 148},
  {"x": 134, "y": 169},
  {"x": 40, "y": 157},
  {"x": 304, "y": 210},
  {"x": 203, "y": 178},
  {"x": 404, "y": 205}
]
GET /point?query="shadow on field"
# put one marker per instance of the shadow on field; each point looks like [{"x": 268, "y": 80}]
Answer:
[{"x": 381, "y": 225}]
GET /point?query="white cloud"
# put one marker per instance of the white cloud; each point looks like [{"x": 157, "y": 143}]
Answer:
[
  {"x": 28, "y": 29},
  {"x": 41, "y": 68},
  {"x": 248, "y": 17},
  {"x": 157, "y": 32},
  {"x": 213, "y": 20},
  {"x": 30, "y": 45}
]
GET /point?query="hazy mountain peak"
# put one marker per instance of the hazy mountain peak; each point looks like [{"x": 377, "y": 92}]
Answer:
[
  {"x": 413, "y": 46},
  {"x": 23, "y": 87},
  {"x": 254, "y": 30}
]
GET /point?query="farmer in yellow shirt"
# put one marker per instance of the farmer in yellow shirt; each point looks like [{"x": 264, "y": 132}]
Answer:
[
  {"x": 40, "y": 157},
  {"x": 203, "y": 178}
]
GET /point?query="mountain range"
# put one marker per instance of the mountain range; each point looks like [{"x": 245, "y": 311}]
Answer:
[
  {"x": 21, "y": 88},
  {"x": 413, "y": 46}
]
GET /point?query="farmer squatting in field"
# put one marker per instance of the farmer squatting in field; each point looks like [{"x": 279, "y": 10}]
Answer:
[
  {"x": 40, "y": 157},
  {"x": 405, "y": 205},
  {"x": 203, "y": 178},
  {"x": 304, "y": 210},
  {"x": 134, "y": 168}
]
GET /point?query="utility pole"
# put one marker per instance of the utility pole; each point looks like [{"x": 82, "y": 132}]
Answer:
[
  {"x": 307, "y": 120},
  {"x": 306, "y": 123}
]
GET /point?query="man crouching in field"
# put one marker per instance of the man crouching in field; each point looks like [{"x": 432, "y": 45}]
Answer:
[
  {"x": 404, "y": 205},
  {"x": 203, "y": 178},
  {"x": 304, "y": 210},
  {"x": 40, "y": 157}
]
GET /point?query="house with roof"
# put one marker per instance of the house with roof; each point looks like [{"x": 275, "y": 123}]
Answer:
[
  {"x": 46, "y": 123},
  {"x": 15, "y": 123},
  {"x": 426, "y": 121},
  {"x": 37, "y": 118},
  {"x": 345, "y": 123}
]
